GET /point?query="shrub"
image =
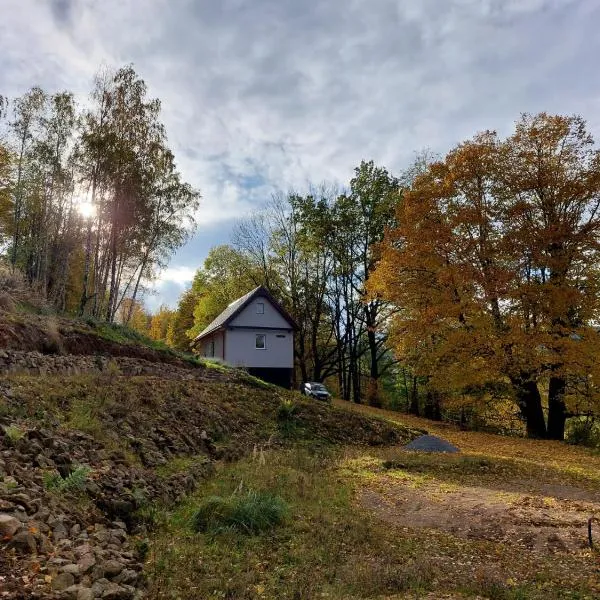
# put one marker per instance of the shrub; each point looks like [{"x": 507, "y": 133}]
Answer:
[
  {"x": 583, "y": 432},
  {"x": 286, "y": 417},
  {"x": 142, "y": 548},
  {"x": 249, "y": 513},
  {"x": 286, "y": 410},
  {"x": 75, "y": 481}
]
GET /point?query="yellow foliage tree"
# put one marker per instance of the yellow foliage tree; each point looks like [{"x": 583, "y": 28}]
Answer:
[
  {"x": 494, "y": 269},
  {"x": 159, "y": 323},
  {"x": 133, "y": 314}
]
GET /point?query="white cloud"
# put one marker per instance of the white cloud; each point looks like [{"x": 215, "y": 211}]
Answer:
[
  {"x": 169, "y": 285},
  {"x": 180, "y": 275}
]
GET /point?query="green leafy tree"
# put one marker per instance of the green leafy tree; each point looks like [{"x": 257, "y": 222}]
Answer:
[
  {"x": 361, "y": 218},
  {"x": 225, "y": 276},
  {"x": 181, "y": 321}
]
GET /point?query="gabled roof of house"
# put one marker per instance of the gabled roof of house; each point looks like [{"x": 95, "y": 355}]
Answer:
[{"x": 236, "y": 307}]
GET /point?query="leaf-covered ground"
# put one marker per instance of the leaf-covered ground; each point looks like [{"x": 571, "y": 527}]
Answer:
[{"x": 514, "y": 510}]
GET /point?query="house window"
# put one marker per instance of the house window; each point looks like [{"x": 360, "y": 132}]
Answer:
[
  {"x": 261, "y": 341},
  {"x": 211, "y": 348},
  {"x": 260, "y": 308}
]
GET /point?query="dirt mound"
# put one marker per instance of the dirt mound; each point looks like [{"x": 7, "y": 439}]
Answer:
[{"x": 54, "y": 335}]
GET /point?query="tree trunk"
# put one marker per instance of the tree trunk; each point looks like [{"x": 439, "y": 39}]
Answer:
[
  {"x": 406, "y": 392},
  {"x": 530, "y": 404},
  {"x": 18, "y": 202},
  {"x": 414, "y": 399},
  {"x": 112, "y": 291},
  {"x": 100, "y": 297},
  {"x": 97, "y": 270},
  {"x": 374, "y": 399},
  {"x": 356, "y": 382},
  {"x": 370, "y": 319},
  {"x": 135, "y": 291},
  {"x": 557, "y": 411},
  {"x": 432, "y": 409},
  {"x": 86, "y": 269},
  {"x": 301, "y": 355},
  {"x": 88, "y": 251}
]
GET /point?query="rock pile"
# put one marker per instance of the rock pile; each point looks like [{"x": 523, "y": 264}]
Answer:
[
  {"x": 37, "y": 363},
  {"x": 64, "y": 560},
  {"x": 83, "y": 543}
]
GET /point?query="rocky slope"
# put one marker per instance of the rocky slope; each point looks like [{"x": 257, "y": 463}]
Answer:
[{"x": 97, "y": 437}]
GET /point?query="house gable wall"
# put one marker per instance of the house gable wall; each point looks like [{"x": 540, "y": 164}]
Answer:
[{"x": 249, "y": 317}]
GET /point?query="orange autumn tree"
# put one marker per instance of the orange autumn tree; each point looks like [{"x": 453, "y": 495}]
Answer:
[{"x": 494, "y": 270}]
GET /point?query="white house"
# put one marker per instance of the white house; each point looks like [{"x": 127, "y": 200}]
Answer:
[{"x": 254, "y": 332}]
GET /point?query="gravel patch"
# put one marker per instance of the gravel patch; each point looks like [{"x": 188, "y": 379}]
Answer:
[{"x": 431, "y": 443}]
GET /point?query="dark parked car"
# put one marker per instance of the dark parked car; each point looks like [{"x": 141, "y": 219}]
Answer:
[{"x": 316, "y": 390}]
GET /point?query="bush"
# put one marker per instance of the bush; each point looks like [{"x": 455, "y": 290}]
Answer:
[
  {"x": 286, "y": 410},
  {"x": 286, "y": 418},
  {"x": 249, "y": 513},
  {"x": 583, "y": 432}
]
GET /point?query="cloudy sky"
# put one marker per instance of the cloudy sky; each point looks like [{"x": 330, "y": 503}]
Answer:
[{"x": 265, "y": 95}]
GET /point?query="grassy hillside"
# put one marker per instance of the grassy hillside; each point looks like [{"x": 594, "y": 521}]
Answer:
[
  {"x": 92, "y": 457},
  {"x": 127, "y": 471},
  {"x": 504, "y": 520}
]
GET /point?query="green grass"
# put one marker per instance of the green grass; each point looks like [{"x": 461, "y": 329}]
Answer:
[
  {"x": 182, "y": 464},
  {"x": 213, "y": 363},
  {"x": 122, "y": 334},
  {"x": 320, "y": 546},
  {"x": 73, "y": 482},
  {"x": 330, "y": 547},
  {"x": 85, "y": 416},
  {"x": 14, "y": 433},
  {"x": 248, "y": 513}
]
